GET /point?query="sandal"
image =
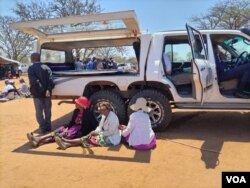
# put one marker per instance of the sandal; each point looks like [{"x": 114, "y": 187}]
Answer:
[
  {"x": 30, "y": 136},
  {"x": 60, "y": 143},
  {"x": 58, "y": 135},
  {"x": 34, "y": 143},
  {"x": 32, "y": 139}
]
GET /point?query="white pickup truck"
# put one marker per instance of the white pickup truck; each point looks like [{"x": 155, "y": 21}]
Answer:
[{"x": 172, "y": 69}]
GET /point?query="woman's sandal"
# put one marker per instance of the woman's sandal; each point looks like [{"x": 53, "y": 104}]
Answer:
[
  {"x": 34, "y": 143},
  {"x": 32, "y": 140},
  {"x": 30, "y": 136},
  {"x": 60, "y": 143}
]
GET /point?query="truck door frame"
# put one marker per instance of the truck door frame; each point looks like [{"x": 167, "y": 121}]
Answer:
[{"x": 202, "y": 72}]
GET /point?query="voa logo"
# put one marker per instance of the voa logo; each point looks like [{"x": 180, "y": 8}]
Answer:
[{"x": 236, "y": 179}]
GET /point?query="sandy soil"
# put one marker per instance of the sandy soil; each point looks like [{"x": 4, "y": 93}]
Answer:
[{"x": 192, "y": 152}]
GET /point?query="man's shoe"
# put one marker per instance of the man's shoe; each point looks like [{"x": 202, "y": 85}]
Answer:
[{"x": 242, "y": 95}]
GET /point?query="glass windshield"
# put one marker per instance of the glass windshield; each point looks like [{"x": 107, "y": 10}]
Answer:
[{"x": 238, "y": 44}]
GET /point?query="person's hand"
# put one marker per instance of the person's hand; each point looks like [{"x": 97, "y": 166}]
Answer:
[
  {"x": 93, "y": 133},
  {"x": 47, "y": 93},
  {"x": 89, "y": 135},
  {"x": 122, "y": 127},
  {"x": 79, "y": 121},
  {"x": 65, "y": 131}
]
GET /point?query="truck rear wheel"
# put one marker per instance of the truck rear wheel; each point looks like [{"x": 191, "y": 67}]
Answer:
[
  {"x": 113, "y": 98},
  {"x": 161, "y": 113}
]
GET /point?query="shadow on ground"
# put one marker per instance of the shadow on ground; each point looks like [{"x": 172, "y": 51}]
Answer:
[{"x": 214, "y": 128}]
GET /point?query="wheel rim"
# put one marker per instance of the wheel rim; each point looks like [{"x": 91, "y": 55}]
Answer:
[
  {"x": 97, "y": 114},
  {"x": 156, "y": 112}
]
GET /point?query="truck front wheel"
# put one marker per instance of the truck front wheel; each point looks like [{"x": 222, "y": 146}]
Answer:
[{"x": 161, "y": 113}]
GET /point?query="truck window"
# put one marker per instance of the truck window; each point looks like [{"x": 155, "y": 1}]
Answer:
[
  {"x": 180, "y": 56},
  {"x": 120, "y": 58},
  {"x": 74, "y": 56},
  {"x": 231, "y": 46},
  {"x": 178, "y": 52},
  {"x": 238, "y": 44},
  {"x": 52, "y": 56}
]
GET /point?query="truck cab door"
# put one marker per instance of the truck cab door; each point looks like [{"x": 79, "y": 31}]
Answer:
[{"x": 202, "y": 72}]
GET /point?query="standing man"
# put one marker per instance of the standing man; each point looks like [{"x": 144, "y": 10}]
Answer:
[
  {"x": 78, "y": 64},
  {"x": 41, "y": 85}
]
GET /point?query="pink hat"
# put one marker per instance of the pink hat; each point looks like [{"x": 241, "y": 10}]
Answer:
[{"x": 83, "y": 102}]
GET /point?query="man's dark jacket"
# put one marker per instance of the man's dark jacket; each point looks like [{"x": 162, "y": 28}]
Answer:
[{"x": 40, "y": 77}]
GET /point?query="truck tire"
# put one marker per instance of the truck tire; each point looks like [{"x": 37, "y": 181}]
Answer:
[
  {"x": 161, "y": 113},
  {"x": 115, "y": 100}
]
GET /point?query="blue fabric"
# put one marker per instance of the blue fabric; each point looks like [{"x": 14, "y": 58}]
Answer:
[
  {"x": 43, "y": 113},
  {"x": 241, "y": 72},
  {"x": 91, "y": 65}
]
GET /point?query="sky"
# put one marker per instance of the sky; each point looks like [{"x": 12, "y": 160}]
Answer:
[{"x": 152, "y": 15}]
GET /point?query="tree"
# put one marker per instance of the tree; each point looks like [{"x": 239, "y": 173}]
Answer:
[
  {"x": 62, "y": 8},
  {"x": 35, "y": 10},
  {"x": 101, "y": 53},
  {"x": 15, "y": 44},
  {"x": 109, "y": 52},
  {"x": 227, "y": 14}
]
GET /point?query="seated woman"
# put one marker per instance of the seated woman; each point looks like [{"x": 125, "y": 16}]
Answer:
[
  {"x": 8, "y": 87},
  {"x": 9, "y": 91},
  {"x": 139, "y": 133},
  {"x": 106, "y": 134},
  {"x": 24, "y": 90},
  {"x": 78, "y": 126}
]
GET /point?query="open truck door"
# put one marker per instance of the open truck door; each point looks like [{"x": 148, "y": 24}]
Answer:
[{"x": 202, "y": 72}]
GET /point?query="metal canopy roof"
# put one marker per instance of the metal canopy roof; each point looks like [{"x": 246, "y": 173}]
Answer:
[{"x": 121, "y": 24}]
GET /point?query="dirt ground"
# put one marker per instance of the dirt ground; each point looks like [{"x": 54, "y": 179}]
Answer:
[{"x": 192, "y": 152}]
